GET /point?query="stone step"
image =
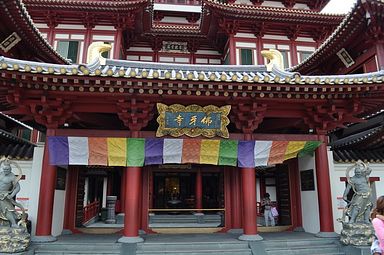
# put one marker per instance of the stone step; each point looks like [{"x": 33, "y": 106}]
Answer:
[
  {"x": 166, "y": 247},
  {"x": 52, "y": 252},
  {"x": 201, "y": 252},
  {"x": 78, "y": 248},
  {"x": 183, "y": 221},
  {"x": 300, "y": 243},
  {"x": 304, "y": 250},
  {"x": 315, "y": 246},
  {"x": 184, "y": 216}
]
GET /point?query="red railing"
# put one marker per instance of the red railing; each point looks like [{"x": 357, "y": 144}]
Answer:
[
  {"x": 90, "y": 211},
  {"x": 181, "y": 2}
]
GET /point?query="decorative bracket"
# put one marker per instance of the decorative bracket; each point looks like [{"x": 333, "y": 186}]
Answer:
[
  {"x": 329, "y": 116},
  {"x": 248, "y": 116},
  {"x": 135, "y": 114}
]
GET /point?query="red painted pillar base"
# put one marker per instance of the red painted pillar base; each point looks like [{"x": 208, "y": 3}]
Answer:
[
  {"x": 248, "y": 179},
  {"x": 46, "y": 198},
  {"x": 324, "y": 190},
  {"x": 132, "y": 210}
]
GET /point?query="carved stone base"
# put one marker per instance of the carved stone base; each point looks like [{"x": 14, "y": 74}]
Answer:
[
  {"x": 358, "y": 234},
  {"x": 14, "y": 240}
]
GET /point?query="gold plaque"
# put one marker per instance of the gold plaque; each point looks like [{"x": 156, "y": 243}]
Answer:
[{"x": 192, "y": 120}]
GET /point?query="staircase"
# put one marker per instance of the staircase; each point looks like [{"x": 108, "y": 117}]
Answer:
[
  {"x": 195, "y": 248},
  {"x": 313, "y": 246}
]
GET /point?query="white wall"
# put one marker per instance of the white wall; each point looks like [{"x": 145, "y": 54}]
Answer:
[
  {"x": 30, "y": 188},
  {"x": 24, "y": 196},
  {"x": 58, "y": 212},
  {"x": 34, "y": 184},
  {"x": 309, "y": 199}
]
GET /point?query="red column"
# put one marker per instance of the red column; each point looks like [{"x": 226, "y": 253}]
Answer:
[
  {"x": 294, "y": 187},
  {"x": 324, "y": 187},
  {"x": 70, "y": 200},
  {"x": 249, "y": 200},
  {"x": 199, "y": 191},
  {"x": 227, "y": 198},
  {"x": 248, "y": 180},
  {"x": 132, "y": 203},
  {"x": 232, "y": 50},
  {"x": 236, "y": 198},
  {"x": 123, "y": 185},
  {"x": 118, "y": 43},
  {"x": 380, "y": 55},
  {"x": 87, "y": 42},
  {"x": 46, "y": 197},
  {"x": 259, "y": 48},
  {"x": 293, "y": 49},
  {"x": 51, "y": 33}
]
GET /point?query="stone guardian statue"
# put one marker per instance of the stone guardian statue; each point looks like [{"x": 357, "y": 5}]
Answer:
[
  {"x": 14, "y": 236},
  {"x": 357, "y": 228}
]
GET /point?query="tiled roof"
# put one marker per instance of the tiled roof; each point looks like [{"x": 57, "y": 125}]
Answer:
[
  {"x": 354, "y": 155},
  {"x": 14, "y": 11},
  {"x": 271, "y": 13},
  {"x": 214, "y": 73},
  {"x": 14, "y": 147},
  {"x": 348, "y": 28},
  {"x": 106, "y": 5}
]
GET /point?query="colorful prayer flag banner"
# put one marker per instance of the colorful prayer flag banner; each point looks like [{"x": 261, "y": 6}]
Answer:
[
  {"x": 309, "y": 148},
  {"x": 154, "y": 151},
  {"x": 293, "y": 148},
  {"x": 191, "y": 151},
  {"x": 228, "y": 153},
  {"x": 78, "y": 150},
  {"x": 137, "y": 152},
  {"x": 117, "y": 151},
  {"x": 245, "y": 154},
  {"x": 98, "y": 151},
  {"x": 209, "y": 151},
  {"x": 261, "y": 152},
  {"x": 173, "y": 150},
  {"x": 58, "y": 150},
  {"x": 277, "y": 153}
]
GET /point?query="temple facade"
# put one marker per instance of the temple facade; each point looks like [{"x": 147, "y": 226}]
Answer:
[{"x": 199, "y": 108}]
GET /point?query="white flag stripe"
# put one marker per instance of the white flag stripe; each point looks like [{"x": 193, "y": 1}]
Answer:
[
  {"x": 78, "y": 150},
  {"x": 172, "y": 151},
  {"x": 261, "y": 152}
]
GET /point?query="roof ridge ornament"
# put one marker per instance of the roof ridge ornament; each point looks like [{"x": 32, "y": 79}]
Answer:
[
  {"x": 95, "y": 50},
  {"x": 275, "y": 59}
]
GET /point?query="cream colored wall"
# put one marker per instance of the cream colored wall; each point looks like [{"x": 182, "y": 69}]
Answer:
[
  {"x": 30, "y": 188},
  {"x": 309, "y": 199},
  {"x": 34, "y": 188}
]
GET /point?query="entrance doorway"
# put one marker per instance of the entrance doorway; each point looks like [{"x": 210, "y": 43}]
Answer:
[
  {"x": 96, "y": 185},
  {"x": 174, "y": 205},
  {"x": 275, "y": 181}
]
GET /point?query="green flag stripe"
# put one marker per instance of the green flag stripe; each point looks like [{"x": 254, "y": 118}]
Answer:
[
  {"x": 309, "y": 148},
  {"x": 135, "y": 151},
  {"x": 228, "y": 153}
]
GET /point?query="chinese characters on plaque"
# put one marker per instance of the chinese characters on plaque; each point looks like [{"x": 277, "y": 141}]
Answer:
[{"x": 193, "y": 120}]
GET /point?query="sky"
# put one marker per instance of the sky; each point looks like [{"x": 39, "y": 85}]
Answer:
[{"x": 339, "y": 6}]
